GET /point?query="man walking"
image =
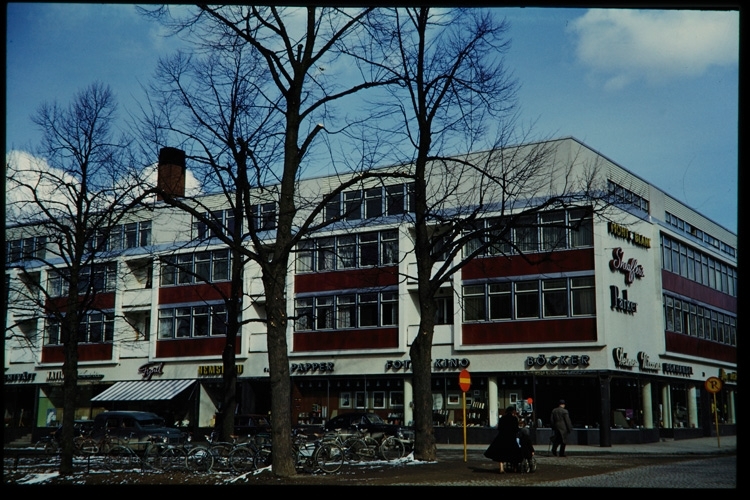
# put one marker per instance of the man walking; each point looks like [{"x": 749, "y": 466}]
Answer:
[{"x": 560, "y": 422}]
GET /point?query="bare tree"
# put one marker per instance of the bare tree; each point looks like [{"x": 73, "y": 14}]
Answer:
[
  {"x": 264, "y": 87},
  {"x": 455, "y": 95},
  {"x": 64, "y": 206}
]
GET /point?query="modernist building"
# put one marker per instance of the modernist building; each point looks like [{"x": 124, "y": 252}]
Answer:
[{"x": 626, "y": 319}]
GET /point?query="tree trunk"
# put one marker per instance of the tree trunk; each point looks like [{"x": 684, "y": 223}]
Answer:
[{"x": 421, "y": 359}]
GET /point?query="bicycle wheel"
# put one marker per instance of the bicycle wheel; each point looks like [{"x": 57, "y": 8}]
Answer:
[
  {"x": 392, "y": 448},
  {"x": 221, "y": 452},
  {"x": 173, "y": 458},
  {"x": 152, "y": 458},
  {"x": 356, "y": 450},
  {"x": 120, "y": 458},
  {"x": 51, "y": 447},
  {"x": 329, "y": 457},
  {"x": 199, "y": 459},
  {"x": 241, "y": 459},
  {"x": 262, "y": 458}
]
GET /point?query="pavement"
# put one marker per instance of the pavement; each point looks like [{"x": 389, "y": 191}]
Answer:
[{"x": 694, "y": 446}]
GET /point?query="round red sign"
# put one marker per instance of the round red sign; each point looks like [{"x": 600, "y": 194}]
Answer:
[{"x": 464, "y": 380}]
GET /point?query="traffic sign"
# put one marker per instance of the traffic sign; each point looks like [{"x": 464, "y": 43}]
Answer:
[
  {"x": 713, "y": 384},
  {"x": 464, "y": 380}
]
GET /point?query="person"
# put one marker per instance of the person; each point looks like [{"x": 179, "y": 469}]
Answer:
[
  {"x": 561, "y": 426},
  {"x": 504, "y": 448},
  {"x": 524, "y": 441}
]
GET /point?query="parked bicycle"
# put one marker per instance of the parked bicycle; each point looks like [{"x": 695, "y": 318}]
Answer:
[{"x": 312, "y": 454}]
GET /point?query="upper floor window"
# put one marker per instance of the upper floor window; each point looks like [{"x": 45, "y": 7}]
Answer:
[
  {"x": 697, "y": 266},
  {"x": 94, "y": 279},
  {"x": 25, "y": 249},
  {"x": 121, "y": 237},
  {"x": 682, "y": 225},
  {"x": 199, "y": 267},
  {"x": 222, "y": 219},
  {"x": 348, "y": 251},
  {"x": 95, "y": 327},
  {"x": 264, "y": 216},
  {"x": 622, "y": 195},
  {"x": 371, "y": 203},
  {"x": 193, "y": 321},
  {"x": 346, "y": 311}
]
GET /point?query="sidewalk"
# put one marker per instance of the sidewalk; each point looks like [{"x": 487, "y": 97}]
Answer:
[{"x": 697, "y": 446}]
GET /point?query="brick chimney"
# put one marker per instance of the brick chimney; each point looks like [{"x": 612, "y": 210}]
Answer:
[{"x": 171, "y": 176}]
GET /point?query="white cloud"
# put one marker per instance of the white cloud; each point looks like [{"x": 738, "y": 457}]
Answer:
[{"x": 629, "y": 45}]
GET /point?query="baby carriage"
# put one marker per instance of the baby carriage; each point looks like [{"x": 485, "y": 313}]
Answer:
[{"x": 528, "y": 458}]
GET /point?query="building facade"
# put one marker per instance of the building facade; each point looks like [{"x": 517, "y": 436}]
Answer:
[{"x": 626, "y": 317}]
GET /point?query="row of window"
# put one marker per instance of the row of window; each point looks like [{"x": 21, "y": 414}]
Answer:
[
  {"x": 94, "y": 279},
  {"x": 351, "y": 310},
  {"x": 25, "y": 249},
  {"x": 348, "y": 251},
  {"x": 624, "y": 195},
  {"x": 697, "y": 266},
  {"x": 701, "y": 235},
  {"x": 94, "y": 328},
  {"x": 685, "y": 317},
  {"x": 121, "y": 237},
  {"x": 263, "y": 219},
  {"x": 198, "y": 267},
  {"x": 530, "y": 299},
  {"x": 371, "y": 203},
  {"x": 541, "y": 232},
  {"x": 193, "y": 321}
]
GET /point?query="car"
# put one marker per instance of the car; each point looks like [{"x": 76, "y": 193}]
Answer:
[
  {"x": 136, "y": 427},
  {"x": 368, "y": 421}
]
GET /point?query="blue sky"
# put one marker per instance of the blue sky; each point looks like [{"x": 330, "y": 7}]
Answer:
[{"x": 654, "y": 91}]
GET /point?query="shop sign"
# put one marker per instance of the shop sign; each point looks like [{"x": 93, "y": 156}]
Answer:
[
  {"x": 646, "y": 364},
  {"x": 209, "y": 370},
  {"x": 150, "y": 369},
  {"x": 630, "y": 268},
  {"x": 57, "y": 376},
  {"x": 450, "y": 364},
  {"x": 564, "y": 361},
  {"x": 20, "y": 378},
  {"x": 397, "y": 364},
  {"x": 621, "y": 303},
  {"x": 622, "y": 360},
  {"x": 325, "y": 367},
  {"x": 673, "y": 369},
  {"x": 727, "y": 377},
  {"x": 624, "y": 233}
]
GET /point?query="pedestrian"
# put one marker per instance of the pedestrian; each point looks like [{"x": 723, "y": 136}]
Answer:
[
  {"x": 561, "y": 426},
  {"x": 524, "y": 441},
  {"x": 504, "y": 448}
]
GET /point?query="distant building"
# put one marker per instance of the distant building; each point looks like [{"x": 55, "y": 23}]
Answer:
[{"x": 625, "y": 321}]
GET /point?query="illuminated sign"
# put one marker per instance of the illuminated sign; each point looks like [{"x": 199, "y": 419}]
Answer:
[
  {"x": 150, "y": 369},
  {"x": 630, "y": 268},
  {"x": 624, "y": 233},
  {"x": 563, "y": 361},
  {"x": 216, "y": 370},
  {"x": 621, "y": 303}
]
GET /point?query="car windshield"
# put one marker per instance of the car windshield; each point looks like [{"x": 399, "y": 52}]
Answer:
[
  {"x": 375, "y": 419},
  {"x": 154, "y": 422}
]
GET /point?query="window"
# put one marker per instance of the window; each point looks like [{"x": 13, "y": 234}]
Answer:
[
  {"x": 499, "y": 237},
  {"x": 373, "y": 203},
  {"x": 196, "y": 321},
  {"x": 305, "y": 255},
  {"x": 527, "y": 299},
  {"x": 394, "y": 196},
  {"x": 304, "y": 313},
  {"x": 389, "y": 304},
  {"x": 326, "y": 254},
  {"x": 347, "y": 251},
  {"x": 526, "y": 234},
  {"x": 346, "y": 311},
  {"x": 553, "y": 230},
  {"x": 582, "y": 228},
  {"x": 95, "y": 328},
  {"x": 378, "y": 399},
  {"x": 368, "y": 249},
  {"x": 669, "y": 314},
  {"x": 444, "y": 312},
  {"x": 185, "y": 269},
  {"x": 221, "y": 220},
  {"x": 324, "y": 313},
  {"x": 26, "y": 249},
  {"x": 389, "y": 250},
  {"x": 501, "y": 305},
  {"x": 555, "y": 297},
  {"x": 333, "y": 208},
  {"x": 474, "y": 305},
  {"x": 353, "y": 205},
  {"x": 368, "y": 309},
  {"x": 359, "y": 399},
  {"x": 582, "y": 296}
]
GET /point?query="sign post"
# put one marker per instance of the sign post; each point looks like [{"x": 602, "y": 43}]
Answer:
[
  {"x": 713, "y": 385},
  {"x": 464, "y": 382}
]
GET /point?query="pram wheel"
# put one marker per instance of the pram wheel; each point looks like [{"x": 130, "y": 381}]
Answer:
[{"x": 528, "y": 465}]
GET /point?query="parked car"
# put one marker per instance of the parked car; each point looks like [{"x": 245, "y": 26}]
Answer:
[
  {"x": 136, "y": 427},
  {"x": 363, "y": 420}
]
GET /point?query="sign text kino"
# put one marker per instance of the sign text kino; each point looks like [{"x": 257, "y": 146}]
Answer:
[{"x": 625, "y": 233}]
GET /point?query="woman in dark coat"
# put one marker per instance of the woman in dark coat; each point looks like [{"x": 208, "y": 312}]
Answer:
[{"x": 504, "y": 448}]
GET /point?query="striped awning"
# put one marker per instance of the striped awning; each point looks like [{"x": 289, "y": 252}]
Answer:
[{"x": 144, "y": 390}]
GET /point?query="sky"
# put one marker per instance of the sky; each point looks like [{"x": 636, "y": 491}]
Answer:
[{"x": 655, "y": 91}]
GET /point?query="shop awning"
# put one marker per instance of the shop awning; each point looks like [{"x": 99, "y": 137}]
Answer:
[{"x": 144, "y": 390}]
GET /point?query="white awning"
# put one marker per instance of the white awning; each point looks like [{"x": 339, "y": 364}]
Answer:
[{"x": 144, "y": 390}]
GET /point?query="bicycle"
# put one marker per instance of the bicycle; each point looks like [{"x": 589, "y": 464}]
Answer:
[
  {"x": 242, "y": 457},
  {"x": 157, "y": 454},
  {"x": 396, "y": 447},
  {"x": 311, "y": 455}
]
